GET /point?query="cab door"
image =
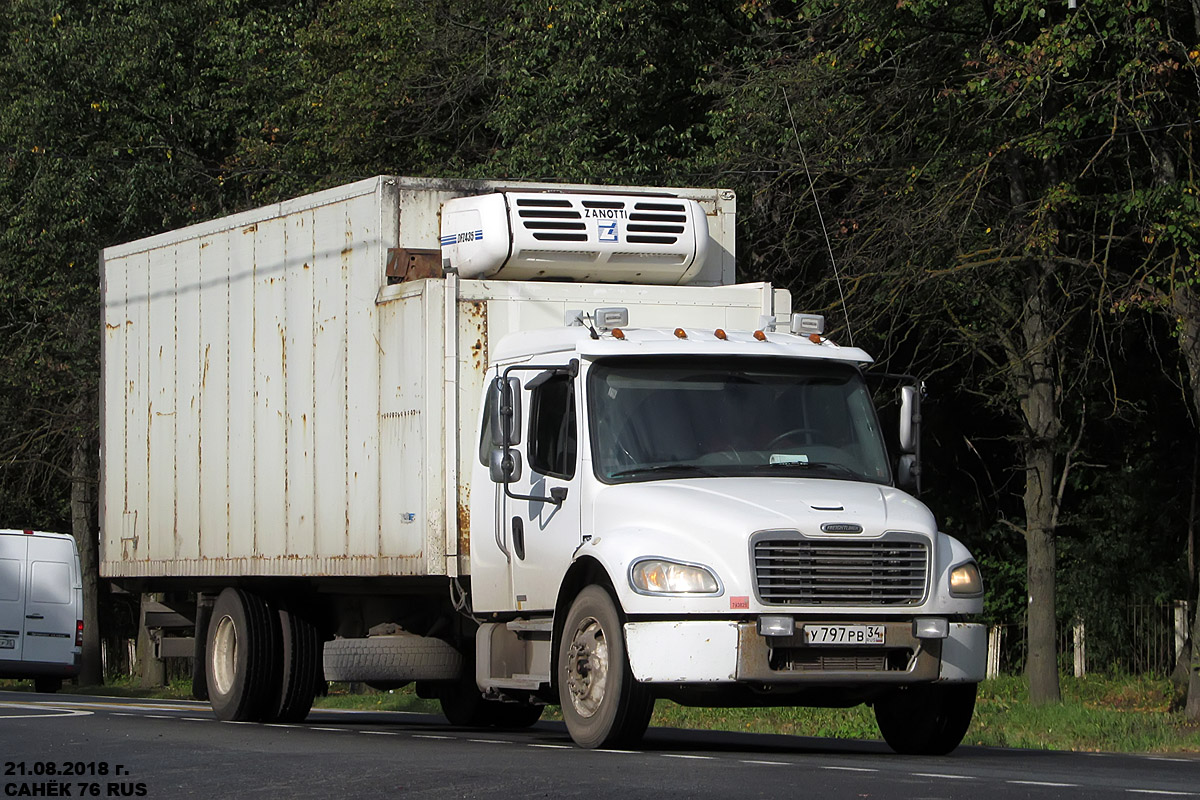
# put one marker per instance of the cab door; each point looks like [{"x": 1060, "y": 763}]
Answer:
[
  {"x": 540, "y": 510},
  {"x": 13, "y": 549}
]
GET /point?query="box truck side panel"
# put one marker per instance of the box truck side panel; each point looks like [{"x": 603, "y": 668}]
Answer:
[
  {"x": 187, "y": 407},
  {"x": 212, "y": 288},
  {"x": 238, "y": 353},
  {"x": 274, "y": 268},
  {"x": 243, "y": 359},
  {"x": 362, "y": 258},
  {"x": 299, "y": 388}
]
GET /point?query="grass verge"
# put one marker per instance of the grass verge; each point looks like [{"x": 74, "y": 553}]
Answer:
[{"x": 1098, "y": 713}]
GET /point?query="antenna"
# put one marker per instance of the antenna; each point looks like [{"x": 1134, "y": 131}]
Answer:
[{"x": 821, "y": 217}]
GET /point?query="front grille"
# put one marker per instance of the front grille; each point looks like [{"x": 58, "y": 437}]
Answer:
[
  {"x": 792, "y": 570},
  {"x": 814, "y": 659}
]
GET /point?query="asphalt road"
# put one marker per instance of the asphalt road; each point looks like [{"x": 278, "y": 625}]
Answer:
[{"x": 76, "y": 746}]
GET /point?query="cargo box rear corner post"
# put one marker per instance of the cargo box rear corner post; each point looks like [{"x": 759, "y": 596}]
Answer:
[
  {"x": 41, "y": 607},
  {"x": 520, "y": 444}
]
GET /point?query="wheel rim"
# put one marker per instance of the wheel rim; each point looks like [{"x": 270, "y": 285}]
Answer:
[
  {"x": 224, "y": 655},
  {"x": 587, "y": 667}
]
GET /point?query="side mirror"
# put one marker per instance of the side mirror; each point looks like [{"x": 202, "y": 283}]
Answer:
[
  {"x": 910, "y": 419},
  {"x": 506, "y": 413},
  {"x": 504, "y": 466}
]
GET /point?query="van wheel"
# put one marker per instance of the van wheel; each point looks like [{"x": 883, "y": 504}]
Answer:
[
  {"x": 300, "y": 668},
  {"x": 602, "y": 704},
  {"x": 928, "y": 719},
  {"x": 47, "y": 685},
  {"x": 242, "y": 663}
]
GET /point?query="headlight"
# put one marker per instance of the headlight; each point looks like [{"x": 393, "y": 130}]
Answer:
[
  {"x": 659, "y": 576},
  {"x": 965, "y": 580}
]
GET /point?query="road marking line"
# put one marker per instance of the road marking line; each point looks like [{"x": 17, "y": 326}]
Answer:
[
  {"x": 198, "y": 719},
  {"x": 489, "y": 741},
  {"x": 943, "y": 775},
  {"x": 554, "y": 746},
  {"x": 851, "y": 769},
  {"x": 1176, "y": 760},
  {"x": 685, "y": 755},
  {"x": 1162, "y": 792},
  {"x": 337, "y": 730},
  {"x": 46, "y": 712},
  {"x": 430, "y": 736},
  {"x": 380, "y": 733},
  {"x": 765, "y": 763},
  {"x": 1044, "y": 783},
  {"x": 292, "y": 725},
  {"x": 158, "y": 716},
  {"x": 620, "y": 752}
]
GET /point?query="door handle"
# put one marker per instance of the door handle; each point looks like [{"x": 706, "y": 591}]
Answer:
[
  {"x": 518, "y": 537},
  {"x": 34, "y": 616}
]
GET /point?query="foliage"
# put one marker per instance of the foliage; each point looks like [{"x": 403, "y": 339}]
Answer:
[{"x": 969, "y": 168}]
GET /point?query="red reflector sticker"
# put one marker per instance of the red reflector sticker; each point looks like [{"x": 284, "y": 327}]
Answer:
[{"x": 739, "y": 602}]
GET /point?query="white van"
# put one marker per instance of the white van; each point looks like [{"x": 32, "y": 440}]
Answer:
[{"x": 41, "y": 607}]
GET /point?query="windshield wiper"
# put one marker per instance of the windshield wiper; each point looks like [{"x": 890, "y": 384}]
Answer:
[
  {"x": 682, "y": 469},
  {"x": 825, "y": 465}
]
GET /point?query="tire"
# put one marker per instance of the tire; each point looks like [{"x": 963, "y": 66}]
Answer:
[
  {"x": 464, "y": 706},
  {"x": 928, "y": 719},
  {"x": 242, "y": 664},
  {"x": 400, "y": 657},
  {"x": 204, "y": 608},
  {"x": 47, "y": 685},
  {"x": 300, "y": 665},
  {"x": 602, "y": 704},
  {"x": 513, "y": 716}
]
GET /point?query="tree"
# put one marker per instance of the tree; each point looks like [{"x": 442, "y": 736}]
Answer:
[
  {"x": 971, "y": 159},
  {"x": 116, "y": 119}
]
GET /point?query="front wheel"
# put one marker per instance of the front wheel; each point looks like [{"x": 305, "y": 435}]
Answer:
[
  {"x": 602, "y": 704},
  {"x": 927, "y": 719}
]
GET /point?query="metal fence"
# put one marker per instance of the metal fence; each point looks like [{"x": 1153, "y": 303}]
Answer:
[{"x": 1145, "y": 640}]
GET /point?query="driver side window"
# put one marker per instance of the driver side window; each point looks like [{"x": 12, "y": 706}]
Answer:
[{"x": 552, "y": 429}]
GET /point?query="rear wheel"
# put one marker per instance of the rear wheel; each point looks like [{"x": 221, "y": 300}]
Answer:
[
  {"x": 242, "y": 660},
  {"x": 928, "y": 719},
  {"x": 602, "y": 704},
  {"x": 300, "y": 668}
]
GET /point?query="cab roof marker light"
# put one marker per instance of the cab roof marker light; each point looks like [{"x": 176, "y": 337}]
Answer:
[
  {"x": 815, "y": 338},
  {"x": 720, "y": 334},
  {"x": 680, "y": 333},
  {"x": 760, "y": 336},
  {"x": 617, "y": 333}
]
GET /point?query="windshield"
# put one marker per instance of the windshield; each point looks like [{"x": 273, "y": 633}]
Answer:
[{"x": 658, "y": 417}]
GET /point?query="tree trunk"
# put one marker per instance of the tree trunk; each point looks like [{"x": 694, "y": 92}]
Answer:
[
  {"x": 1185, "y": 308},
  {"x": 85, "y": 530},
  {"x": 1040, "y": 411}
]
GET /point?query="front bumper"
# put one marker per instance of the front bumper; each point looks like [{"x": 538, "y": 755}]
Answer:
[{"x": 729, "y": 651}]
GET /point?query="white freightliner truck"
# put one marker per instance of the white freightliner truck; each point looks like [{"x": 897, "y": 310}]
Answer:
[{"x": 522, "y": 444}]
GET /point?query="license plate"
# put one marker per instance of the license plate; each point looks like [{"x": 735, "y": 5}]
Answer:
[
  {"x": 8, "y": 644},
  {"x": 844, "y": 634}
]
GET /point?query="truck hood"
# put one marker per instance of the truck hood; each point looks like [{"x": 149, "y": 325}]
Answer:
[{"x": 745, "y": 505}]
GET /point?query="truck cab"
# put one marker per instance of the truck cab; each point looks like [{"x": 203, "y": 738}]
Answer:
[{"x": 727, "y": 501}]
